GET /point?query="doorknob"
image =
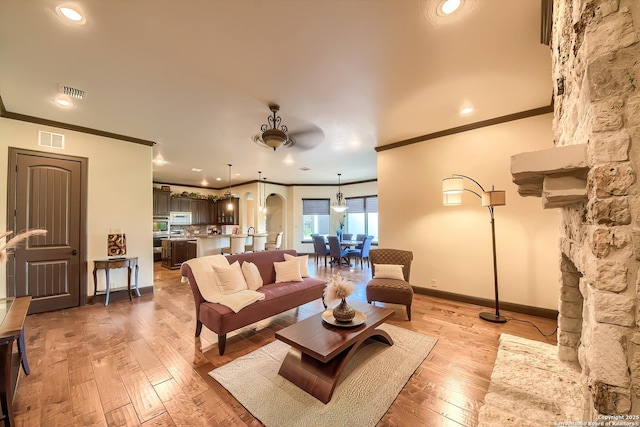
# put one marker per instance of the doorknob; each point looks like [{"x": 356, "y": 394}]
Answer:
[{"x": 74, "y": 252}]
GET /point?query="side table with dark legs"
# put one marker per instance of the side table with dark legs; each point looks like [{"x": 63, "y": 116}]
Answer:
[{"x": 107, "y": 264}]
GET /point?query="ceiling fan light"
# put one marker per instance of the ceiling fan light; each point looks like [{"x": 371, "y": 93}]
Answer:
[{"x": 274, "y": 138}]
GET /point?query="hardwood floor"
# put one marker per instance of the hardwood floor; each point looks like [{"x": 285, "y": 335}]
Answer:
[{"x": 138, "y": 363}]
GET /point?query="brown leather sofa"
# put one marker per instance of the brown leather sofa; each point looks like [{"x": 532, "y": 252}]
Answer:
[{"x": 279, "y": 297}]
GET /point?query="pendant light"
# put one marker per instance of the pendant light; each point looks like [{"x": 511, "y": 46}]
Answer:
[
  {"x": 259, "y": 191},
  {"x": 227, "y": 194},
  {"x": 340, "y": 205},
  {"x": 264, "y": 192}
]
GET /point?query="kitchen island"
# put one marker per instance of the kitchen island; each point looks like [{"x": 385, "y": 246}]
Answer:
[
  {"x": 176, "y": 250},
  {"x": 211, "y": 244}
]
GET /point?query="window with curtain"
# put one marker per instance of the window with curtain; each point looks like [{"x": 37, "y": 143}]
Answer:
[
  {"x": 315, "y": 217},
  {"x": 362, "y": 216}
]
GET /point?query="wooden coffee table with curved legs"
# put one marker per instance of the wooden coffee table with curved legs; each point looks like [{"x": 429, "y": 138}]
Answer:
[{"x": 319, "y": 351}]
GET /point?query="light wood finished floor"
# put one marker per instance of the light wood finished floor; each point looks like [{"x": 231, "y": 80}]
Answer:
[{"x": 138, "y": 363}]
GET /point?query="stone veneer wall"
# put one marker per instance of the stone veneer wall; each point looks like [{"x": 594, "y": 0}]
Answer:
[{"x": 596, "y": 73}]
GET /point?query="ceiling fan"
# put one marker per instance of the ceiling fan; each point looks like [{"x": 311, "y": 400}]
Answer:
[{"x": 276, "y": 135}]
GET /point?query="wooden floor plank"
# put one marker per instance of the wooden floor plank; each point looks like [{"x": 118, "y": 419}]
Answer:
[
  {"x": 110, "y": 388},
  {"x": 138, "y": 363},
  {"x": 123, "y": 416},
  {"x": 85, "y": 400}
]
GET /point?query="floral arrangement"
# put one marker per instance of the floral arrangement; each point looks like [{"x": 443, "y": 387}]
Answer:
[
  {"x": 338, "y": 288},
  {"x": 15, "y": 241}
]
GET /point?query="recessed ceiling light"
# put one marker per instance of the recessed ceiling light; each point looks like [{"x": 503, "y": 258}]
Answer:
[
  {"x": 159, "y": 160},
  {"x": 70, "y": 14},
  {"x": 63, "y": 102},
  {"x": 447, "y": 7},
  {"x": 196, "y": 170},
  {"x": 466, "y": 110},
  {"x": 204, "y": 182},
  {"x": 218, "y": 179},
  {"x": 288, "y": 160}
]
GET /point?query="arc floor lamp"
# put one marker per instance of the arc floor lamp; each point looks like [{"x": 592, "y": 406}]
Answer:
[{"x": 452, "y": 189}]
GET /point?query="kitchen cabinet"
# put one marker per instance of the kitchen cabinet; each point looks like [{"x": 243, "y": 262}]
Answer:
[
  {"x": 201, "y": 211},
  {"x": 192, "y": 249},
  {"x": 161, "y": 202},
  {"x": 223, "y": 216},
  {"x": 180, "y": 204},
  {"x": 175, "y": 252}
]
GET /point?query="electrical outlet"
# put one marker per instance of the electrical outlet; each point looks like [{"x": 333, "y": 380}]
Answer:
[{"x": 433, "y": 283}]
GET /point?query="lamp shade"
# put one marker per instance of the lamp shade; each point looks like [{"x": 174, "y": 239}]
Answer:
[
  {"x": 452, "y": 199},
  {"x": 452, "y": 185},
  {"x": 494, "y": 198}
]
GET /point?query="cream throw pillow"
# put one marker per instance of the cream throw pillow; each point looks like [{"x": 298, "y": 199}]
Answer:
[
  {"x": 388, "y": 271},
  {"x": 230, "y": 279},
  {"x": 251, "y": 275},
  {"x": 288, "y": 271},
  {"x": 303, "y": 260}
]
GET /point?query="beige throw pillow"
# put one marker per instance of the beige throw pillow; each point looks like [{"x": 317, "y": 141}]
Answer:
[
  {"x": 287, "y": 271},
  {"x": 303, "y": 260},
  {"x": 251, "y": 275},
  {"x": 388, "y": 271},
  {"x": 230, "y": 279}
]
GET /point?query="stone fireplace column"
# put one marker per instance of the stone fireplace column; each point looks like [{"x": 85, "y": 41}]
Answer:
[{"x": 596, "y": 75}]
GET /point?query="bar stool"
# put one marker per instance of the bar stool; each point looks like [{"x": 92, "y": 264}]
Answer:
[{"x": 236, "y": 245}]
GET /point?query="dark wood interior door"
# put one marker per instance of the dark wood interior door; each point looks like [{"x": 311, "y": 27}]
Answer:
[{"x": 45, "y": 191}]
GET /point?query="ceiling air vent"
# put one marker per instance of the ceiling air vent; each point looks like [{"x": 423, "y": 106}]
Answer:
[
  {"x": 51, "y": 140},
  {"x": 72, "y": 91}
]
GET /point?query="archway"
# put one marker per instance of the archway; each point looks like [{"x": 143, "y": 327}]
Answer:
[{"x": 275, "y": 218}]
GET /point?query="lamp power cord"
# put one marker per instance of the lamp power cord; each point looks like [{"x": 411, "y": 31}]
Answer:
[{"x": 509, "y": 319}]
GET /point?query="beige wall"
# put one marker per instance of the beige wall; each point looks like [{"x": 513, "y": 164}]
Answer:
[
  {"x": 119, "y": 193},
  {"x": 452, "y": 245}
]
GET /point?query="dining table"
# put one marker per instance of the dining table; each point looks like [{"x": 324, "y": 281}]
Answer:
[{"x": 349, "y": 243}]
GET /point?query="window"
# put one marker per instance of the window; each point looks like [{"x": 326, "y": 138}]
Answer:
[
  {"x": 315, "y": 217},
  {"x": 362, "y": 216}
]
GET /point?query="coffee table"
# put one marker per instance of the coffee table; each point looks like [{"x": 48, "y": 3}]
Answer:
[{"x": 319, "y": 351}]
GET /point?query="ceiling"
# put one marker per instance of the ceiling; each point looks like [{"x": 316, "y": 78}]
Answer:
[{"x": 196, "y": 77}]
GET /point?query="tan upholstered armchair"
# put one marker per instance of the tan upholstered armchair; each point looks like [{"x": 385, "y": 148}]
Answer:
[{"x": 393, "y": 291}]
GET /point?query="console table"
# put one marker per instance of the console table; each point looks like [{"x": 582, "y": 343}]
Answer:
[
  {"x": 107, "y": 264},
  {"x": 12, "y": 314}
]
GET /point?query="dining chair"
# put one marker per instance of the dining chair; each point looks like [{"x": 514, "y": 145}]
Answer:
[
  {"x": 362, "y": 253},
  {"x": 320, "y": 248},
  {"x": 335, "y": 250},
  {"x": 347, "y": 236},
  {"x": 360, "y": 238}
]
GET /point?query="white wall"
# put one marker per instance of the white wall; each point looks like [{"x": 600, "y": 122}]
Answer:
[
  {"x": 119, "y": 193},
  {"x": 452, "y": 245}
]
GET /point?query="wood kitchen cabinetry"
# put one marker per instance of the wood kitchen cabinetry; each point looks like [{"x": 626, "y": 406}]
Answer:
[
  {"x": 175, "y": 252},
  {"x": 180, "y": 204},
  {"x": 201, "y": 211},
  {"x": 222, "y": 215},
  {"x": 161, "y": 202}
]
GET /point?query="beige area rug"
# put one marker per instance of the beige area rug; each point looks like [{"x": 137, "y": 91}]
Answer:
[
  {"x": 369, "y": 384},
  {"x": 530, "y": 387}
]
